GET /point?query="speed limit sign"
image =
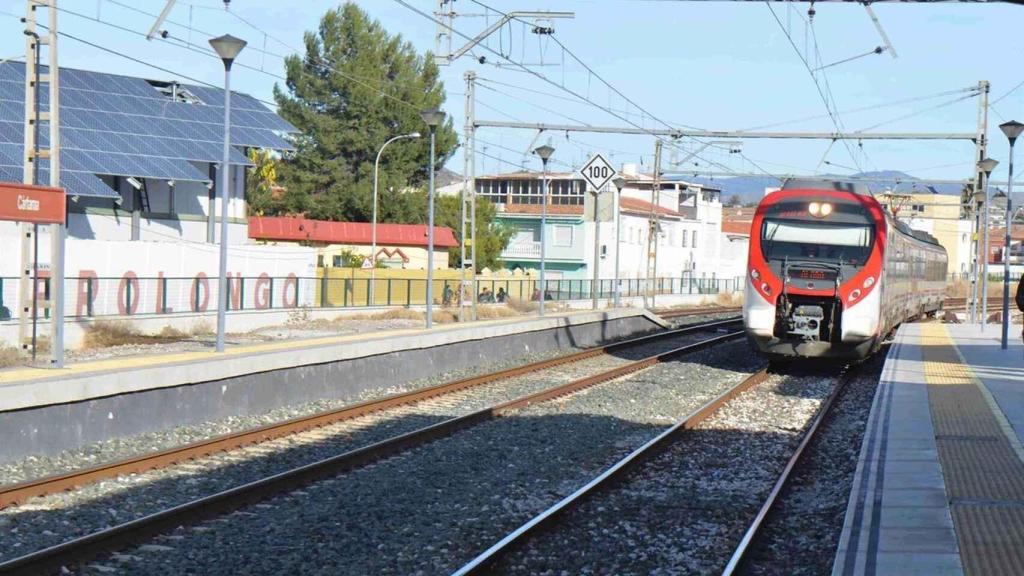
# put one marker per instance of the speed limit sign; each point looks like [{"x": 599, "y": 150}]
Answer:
[{"x": 597, "y": 172}]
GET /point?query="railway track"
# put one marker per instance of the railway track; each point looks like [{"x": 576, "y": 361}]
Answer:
[
  {"x": 81, "y": 549},
  {"x": 740, "y": 554},
  {"x": 616, "y": 472},
  {"x": 670, "y": 314},
  {"x": 19, "y": 493},
  {"x": 515, "y": 540}
]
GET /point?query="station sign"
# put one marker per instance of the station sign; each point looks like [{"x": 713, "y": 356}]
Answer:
[
  {"x": 597, "y": 172},
  {"x": 35, "y": 204}
]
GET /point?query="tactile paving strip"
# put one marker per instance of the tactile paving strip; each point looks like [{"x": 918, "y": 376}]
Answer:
[{"x": 983, "y": 474}]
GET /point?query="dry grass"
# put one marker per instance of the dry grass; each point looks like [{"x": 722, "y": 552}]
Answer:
[
  {"x": 103, "y": 334},
  {"x": 445, "y": 317},
  {"x": 399, "y": 314},
  {"x": 200, "y": 328},
  {"x": 522, "y": 306},
  {"x": 729, "y": 300},
  {"x": 10, "y": 357},
  {"x": 493, "y": 312},
  {"x": 957, "y": 289}
]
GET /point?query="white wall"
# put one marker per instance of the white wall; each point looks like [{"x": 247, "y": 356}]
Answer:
[{"x": 112, "y": 265}]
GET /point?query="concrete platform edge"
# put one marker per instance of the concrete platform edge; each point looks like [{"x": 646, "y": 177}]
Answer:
[{"x": 58, "y": 387}]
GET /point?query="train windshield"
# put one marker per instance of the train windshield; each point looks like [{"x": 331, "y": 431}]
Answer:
[{"x": 841, "y": 243}]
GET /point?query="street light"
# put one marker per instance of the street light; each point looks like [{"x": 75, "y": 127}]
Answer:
[
  {"x": 619, "y": 183},
  {"x": 373, "y": 228},
  {"x": 227, "y": 47},
  {"x": 1012, "y": 129},
  {"x": 432, "y": 118},
  {"x": 987, "y": 166},
  {"x": 545, "y": 153}
]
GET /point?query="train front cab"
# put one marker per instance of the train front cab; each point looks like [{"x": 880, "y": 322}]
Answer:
[{"x": 814, "y": 274}]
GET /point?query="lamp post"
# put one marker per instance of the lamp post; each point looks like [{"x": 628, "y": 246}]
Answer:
[
  {"x": 545, "y": 153},
  {"x": 619, "y": 183},
  {"x": 227, "y": 47},
  {"x": 1012, "y": 130},
  {"x": 432, "y": 118},
  {"x": 373, "y": 227},
  {"x": 987, "y": 166}
]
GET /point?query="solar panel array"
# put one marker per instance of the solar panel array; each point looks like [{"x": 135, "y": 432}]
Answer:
[{"x": 124, "y": 126}]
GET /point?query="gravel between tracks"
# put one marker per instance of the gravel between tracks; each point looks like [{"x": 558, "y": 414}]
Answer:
[
  {"x": 684, "y": 511},
  {"x": 802, "y": 532},
  {"x": 49, "y": 520},
  {"x": 430, "y": 509}
]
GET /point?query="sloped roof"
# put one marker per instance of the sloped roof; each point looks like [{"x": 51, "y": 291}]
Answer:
[
  {"x": 736, "y": 228},
  {"x": 125, "y": 126},
  {"x": 325, "y": 232},
  {"x": 637, "y": 206}
]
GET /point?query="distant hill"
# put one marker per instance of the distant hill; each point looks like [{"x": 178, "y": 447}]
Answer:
[{"x": 751, "y": 188}]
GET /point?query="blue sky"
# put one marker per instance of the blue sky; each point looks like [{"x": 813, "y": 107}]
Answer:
[{"x": 713, "y": 65}]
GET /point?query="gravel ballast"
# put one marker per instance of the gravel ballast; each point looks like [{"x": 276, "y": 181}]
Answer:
[
  {"x": 432, "y": 508},
  {"x": 684, "y": 511},
  {"x": 802, "y": 533},
  {"x": 52, "y": 519}
]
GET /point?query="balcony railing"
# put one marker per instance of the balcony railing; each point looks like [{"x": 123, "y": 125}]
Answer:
[{"x": 522, "y": 250}]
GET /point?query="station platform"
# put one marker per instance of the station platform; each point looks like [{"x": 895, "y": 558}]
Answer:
[
  {"x": 939, "y": 487},
  {"x": 51, "y": 410}
]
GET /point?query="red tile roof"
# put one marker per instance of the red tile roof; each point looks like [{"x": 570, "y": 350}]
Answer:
[
  {"x": 736, "y": 228},
  {"x": 326, "y": 232},
  {"x": 635, "y": 205},
  {"x": 553, "y": 209}
]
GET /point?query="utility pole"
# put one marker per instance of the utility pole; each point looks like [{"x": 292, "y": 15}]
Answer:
[
  {"x": 652, "y": 225},
  {"x": 469, "y": 193},
  {"x": 595, "y": 283},
  {"x": 980, "y": 143},
  {"x": 983, "y": 108},
  {"x": 33, "y": 154}
]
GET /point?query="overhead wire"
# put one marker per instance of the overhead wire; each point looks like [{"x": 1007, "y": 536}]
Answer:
[
  {"x": 583, "y": 99},
  {"x": 814, "y": 79},
  {"x": 181, "y": 43}
]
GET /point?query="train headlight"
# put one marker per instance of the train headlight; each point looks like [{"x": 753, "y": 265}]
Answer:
[
  {"x": 869, "y": 281},
  {"x": 854, "y": 295},
  {"x": 819, "y": 209},
  {"x": 766, "y": 288},
  {"x": 754, "y": 273}
]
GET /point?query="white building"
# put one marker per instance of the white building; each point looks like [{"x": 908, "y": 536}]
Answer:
[{"x": 689, "y": 217}]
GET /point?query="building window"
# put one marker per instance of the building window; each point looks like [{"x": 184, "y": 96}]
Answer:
[
  {"x": 337, "y": 261},
  {"x": 694, "y": 241},
  {"x": 683, "y": 239},
  {"x": 563, "y": 235}
]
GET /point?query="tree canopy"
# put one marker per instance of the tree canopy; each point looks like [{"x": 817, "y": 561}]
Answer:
[{"x": 333, "y": 95}]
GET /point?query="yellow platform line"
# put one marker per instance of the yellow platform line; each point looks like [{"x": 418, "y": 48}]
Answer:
[{"x": 963, "y": 373}]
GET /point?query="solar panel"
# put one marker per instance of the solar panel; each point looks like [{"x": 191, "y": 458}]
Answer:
[
  {"x": 75, "y": 183},
  {"x": 119, "y": 125}
]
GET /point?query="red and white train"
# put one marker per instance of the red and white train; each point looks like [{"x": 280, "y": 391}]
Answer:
[{"x": 831, "y": 273}]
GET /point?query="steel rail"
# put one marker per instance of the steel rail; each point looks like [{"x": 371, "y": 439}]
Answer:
[
  {"x": 668, "y": 314},
  {"x": 19, "y": 493},
  {"x": 739, "y": 555},
  {"x": 84, "y": 548},
  {"x": 615, "y": 472}
]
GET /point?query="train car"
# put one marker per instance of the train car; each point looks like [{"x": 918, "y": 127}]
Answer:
[{"x": 831, "y": 273}]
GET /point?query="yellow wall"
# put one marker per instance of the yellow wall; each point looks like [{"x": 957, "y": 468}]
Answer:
[
  {"x": 351, "y": 286},
  {"x": 941, "y": 219},
  {"x": 417, "y": 255}
]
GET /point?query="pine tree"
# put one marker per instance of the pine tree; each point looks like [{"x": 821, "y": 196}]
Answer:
[{"x": 333, "y": 96}]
